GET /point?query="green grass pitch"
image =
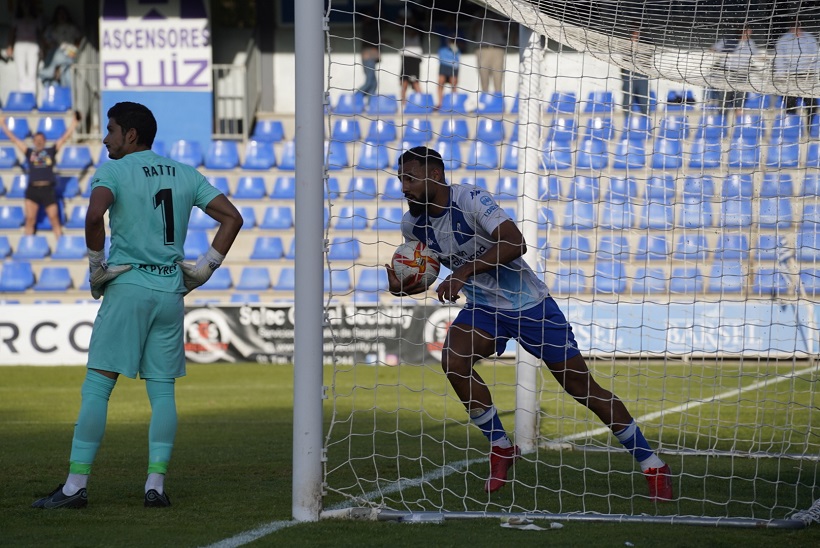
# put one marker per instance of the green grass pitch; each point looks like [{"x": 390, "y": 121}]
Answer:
[{"x": 231, "y": 470}]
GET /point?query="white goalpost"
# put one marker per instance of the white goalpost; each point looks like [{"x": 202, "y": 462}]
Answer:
[{"x": 665, "y": 175}]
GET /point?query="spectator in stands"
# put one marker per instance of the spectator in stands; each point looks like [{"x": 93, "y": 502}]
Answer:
[
  {"x": 449, "y": 59},
  {"x": 42, "y": 180},
  {"x": 62, "y": 39},
  {"x": 796, "y": 59},
  {"x": 491, "y": 36},
  {"x": 138, "y": 329},
  {"x": 734, "y": 65},
  {"x": 635, "y": 85},
  {"x": 24, "y": 44},
  {"x": 411, "y": 53},
  {"x": 369, "y": 40},
  {"x": 484, "y": 249}
]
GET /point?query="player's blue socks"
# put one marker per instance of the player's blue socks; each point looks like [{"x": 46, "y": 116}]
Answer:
[
  {"x": 90, "y": 427},
  {"x": 632, "y": 438},
  {"x": 163, "y": 427},
  {"x": 490, "y": 424}
]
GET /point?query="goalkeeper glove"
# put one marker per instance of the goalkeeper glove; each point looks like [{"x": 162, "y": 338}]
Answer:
[
  {"x": 196, "y": 275},
  {"x": 101, "y": 273}
]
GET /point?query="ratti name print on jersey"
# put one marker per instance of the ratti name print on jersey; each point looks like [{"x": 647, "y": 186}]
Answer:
[{"x": 156, "y": 171}]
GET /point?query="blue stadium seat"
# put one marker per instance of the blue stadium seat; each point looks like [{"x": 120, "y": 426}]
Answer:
[
  {"x": 657, "y": 215},
  {"x": 220, "y": 182},
  {"x": 373, "y": 156},
  {"x": 574, "y": 248},
  {"x": 67, "y": 186},
  {"x": 777, "y": 184},
  {"x": 20, "y": 101},
  {"x": 757, "y": 101},
  {"x": 286, "y": 280},
  {"x": 599, "y": 128},
  {"x": 103, "y": 157},
  {"x": 222, "y": 155},
  {"x": 814, "y": 126},
  {"x": 775, "y": 211},
  {"x": 53, "y": 278},
  {"x": 5, "y": 247},
  {"x": 77, "y": 217},
  {"x": 454, "y": 129},
  {"x": 808, "y": 244},
  {"x": 284, "y": 188},
  {"x": 569, "y": 281},
  {"x": 557, "y": 155},
  {"x": 787, "y": 128},
  {"x": 744, "y": 153},
  {"x": 75, "y": 157},
  {"x": 372, "y": 280},
  {"x": 419, "y": 103},
  {"x": 617, "y": 216},
  {"x": 562, "y": 129},
  {"x": 187, "y": 152},
  {"x": 712, "y": 128},
  {"x": 245, "y": 298},
  {"x": 196, "y": 244},
  {"x": 482, "y": 156},
  {"x": 514, "y": 136},
  {"x": 44, "y": 223},
  {"x": 259, "y": 156},
  {"x": 248, "y": 217},
  {"x": 351, "y": 218},
  {"x": 418, "y": 131},
  {"x": 700, "y": 188},
  {"x": 613, "y": 247},
  {"x": 586, "y": 189},
  {"x": 269, "y": 131},
  {"x": 344, "y": 249},
  {"x": 678, "y": 100},
  {"x": 490, "y": 131},
  {"x": 381, "y": 105},
  {"x": 388, "y": 218},
  {"x": 507, "y": 188},
  {"x": 201, "y": 220},
  {"x": 674, "y": 127},
  {"x": 592, "y": 154},
  {"x": 392, "y": 189},
  {"x": 336, "y": 154},
  {"x": 599, "y": 102},
  {"x": 70, "y": 248},
  {"x": 277, "y": 218},
  {"x": 254, "y": 278},
  {"x": 250, "y": 188},
  {"x": 16, "y": 277},
  {"x": 382, "y": 131},
  {"x": 649, "y": 281},
  {"x": 220, "y": 280},
  {"x": 8, "y": 158},
  {"x": 810, "y": 282},
  {"x": 18, "y": 125},
  {"x": 159, "y": 147},
  {"x": 695, "y": 213},
  {"x": 31, "y": 247},
  {"x": 361, "y": 188},
  {"x": 549, "y": 187},
  {"x": 726, "y": 277},
  {"x": 767, "y": 246},
  {"x": 705, "y": 154},
  {"x": 53, "y": 128},
  {"x": 736, "y": 212},
  {"x": 454, "y": 103},
  {"x": 686, "y": 280},
  {"x": 450, "y": 153},
  {"x": 732, "y": 246},
  {"x": 290, "y": 254},
  {"x": 811, "y": 215},
  {"x": 514, "y": 106},
  {"x": 546, "y": 219},
  {"x": 337, "y": 281},
  {"x": 562, "y": 103},
  {"x": 770, "y": 282},
  {"x": 622, "y": 189},
  {"x": 18, "y": 186},
  {"x": 346, "y": 130},
  {"x": 652, "y": 247},
  {"x": 350, "y": 103},
  {"x": 490, "y": 103},
  {"x": 782, "y": 154},
  {"x": 692, "y": 247},
  {"x": 749, "y": 127},
  {"x": 267, "y": 248},
  {"x": 637, "y": 127},
  {"x": 629, "y": 154},
  {"x": 511, "y": 152},
  {"x": 813, "y": 155},
  {"x": 609, "y": 276},
  {"x": 332, "y": 188},
  {"x": 288, "y": 160},
  {"x": 668, "y": 154}
]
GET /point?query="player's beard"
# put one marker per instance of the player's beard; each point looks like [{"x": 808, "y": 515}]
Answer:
[{"x": 417, "y": 206}]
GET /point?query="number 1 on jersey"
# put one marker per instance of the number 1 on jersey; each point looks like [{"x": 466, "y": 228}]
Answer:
[{"x": 166, "y": 199}]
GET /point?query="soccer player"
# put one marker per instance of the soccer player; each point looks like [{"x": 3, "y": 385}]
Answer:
[
  {"x": 138, "y": 329},
  {"x": 505, "y": 299}
]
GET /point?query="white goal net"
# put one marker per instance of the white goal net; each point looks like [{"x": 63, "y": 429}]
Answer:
[{"x": 662, "y": 161}]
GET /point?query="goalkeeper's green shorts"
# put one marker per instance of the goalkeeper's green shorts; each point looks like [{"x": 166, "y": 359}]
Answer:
[{"x": 139, "y": 330}]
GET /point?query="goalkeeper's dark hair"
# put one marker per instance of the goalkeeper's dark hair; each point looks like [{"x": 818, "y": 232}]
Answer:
[
  {"x": 135, "y": 116},
  {"x": 428, "y": 157}
]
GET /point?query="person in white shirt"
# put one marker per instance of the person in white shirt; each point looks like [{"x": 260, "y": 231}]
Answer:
[
  {"x": 24, "y": 45},
  {"x": 739, "y": 52},
  {"x": 796, "y": 58}
]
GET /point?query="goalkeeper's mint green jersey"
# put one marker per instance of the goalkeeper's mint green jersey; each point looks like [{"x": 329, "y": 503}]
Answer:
[{"x": 153, "y": 199}]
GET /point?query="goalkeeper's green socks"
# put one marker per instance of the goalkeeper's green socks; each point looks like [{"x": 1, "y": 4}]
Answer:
[{"x": 162, "y": 431}]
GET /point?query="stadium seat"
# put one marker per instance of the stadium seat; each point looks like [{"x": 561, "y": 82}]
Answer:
[
  {"x": 629, "y": 154},
  {"x": 562, "y": 129},
  {"x": 372, "y": 280},
  {"x": 381, "y": 105},
  {"x": 381, "y": 131},
  {"x": 649, "y": 281},
  {"x": 245, "y": 298},
  {"x": 337, "y": 281},
  {"x": 346, "y": 130},
  {"x": 482, "y": 156},
  {"x": 392, "y": 189},
  {"x": 259, "y": 156},
  {"x": 732, "y": 246},
  {"x": 419, "y": 103},
  {"x": 70, "y": 247},
  {"x": 574, "y": 248},
  {"x": 350, "y": 104},
  {"x": 617, "y": 216},
  {"x": 159, "y": 147},
  {"x": 668, "y": 154},
  {"x": 712, "y": 128},
  {"x": 767, "y": 246},
  {"x": 454, "y": 129},
  {"x": 20, "y": 101},
  {"x": 196, "y": 244},
  {"x": 674, "y": 127},
  {"x": 388, "y": 218},
  {"x": 67, "y": 186},
  {"x": 453, "y": 103},
  {"x": 686, "y": 280},
  {"x": 585, "y": 189},
  {"x": 344, "y": 249},
  {"x": 8, "y": 157},
  {"x": 599, "y": 102},
  {"x": 286, "y": 280},
  {"x": 808, "y": 244},
  {"x": 267, "y": 248},
  {"x": 757, "y": 101},
  {"x": 77, "y": 217},
  {"x": 744, "y": 153},
  {"x": 782, "y": 155},
  {"x": 284, "y": 188},
  {"x": 613, "y": 247},
  {"x": 222, "y": 155},
  {"x": 507, "y": 188},
  {"x": 52, "y": 127},
  {"x": 810, "y": 282},
  {"x": 75, "y": 157},
  {"x": 599, "y": 128},
  {"x": 220, "y": 182},
  {"x": 813, "y": 155},
  {"x": 336, "y": 154},
  {"x": 5, "y": 247},
  {"x": 549, "y": 187},
  {"x": 201, "y": 220},
  {"x": 268, "y": 131},
  {"x": 557, "y": 155},
  {"x": 652, "y": 247},
  {"x": 546, "y": 219},
  {"x": 811, "y": 215},
  {"x": 770, "y": 282},
  {"x": 373, "y": 156},
  {"x": 622, "y": 189},
  {"x": 787, "y": 128},
  {"x": 699, "y": 188},
  {"x": 726, "y": 277},
  {"x": 254, "y": 278},
  {"x": 814, "y": 127},
  {"x": 250, "y": 188},
  {"x": 450, "y": 153},
  {"x": 31, "y": 247},
  {"x": 514, "y": 106},
  {"x": 592, "y": 154},
  {"x": 418, "y": 131},
  {"x": 220, "y": 280},
  {"x": 749, "y": 127},
  {"x": 490, "y": 131},
  {"x": 775, "y": 211},
  {"x": 736, "y": 186},
  {"x": 562, "y": 103},
  {"x": 362, "y": 188},
  {"x": 332, "y": 188},
  {"x": 18, "y": 125},
  {"x": 53, "y": 278},
  {"x": 657, "y": 215},
  {"x": 44, "y": 223},
  {"x": 511, "y": 152},
  {"x": 103, "y": 157},
  {"x": 490, "y": 103},
  {"x": 351, "y": 218},
  {"x": 705, "y": 154},
  {"x": 609, "y": 276},
  {"x": 288, "y": 159},
  {"x": 678, "y": 100},
  {"x": 692, "y": 247},
  {"x": 187, "y": 152},
  {"x": 248, "y": 217},
  {"x": 17, "y": 189},
  {"x": 695, "y": 213},
  {"x": 777, "y": 184},
  {"x": 736, "y": 212},
  {"x": 637, "y": 127},
  {"x": 569, "y": 281},
  {"x": 277, "y": 218},
  {"x": 16, "y": 277}
]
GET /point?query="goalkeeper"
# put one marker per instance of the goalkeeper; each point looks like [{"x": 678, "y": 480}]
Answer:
[
  {"x": 138, "y": 329},
  {"x": 505, "y": 300}
]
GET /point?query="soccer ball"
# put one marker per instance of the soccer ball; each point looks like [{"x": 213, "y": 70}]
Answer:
[{"x": 413, "y": 262}]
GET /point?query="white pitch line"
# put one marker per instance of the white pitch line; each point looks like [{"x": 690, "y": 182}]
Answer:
[{"x": 249, "y": 536}]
